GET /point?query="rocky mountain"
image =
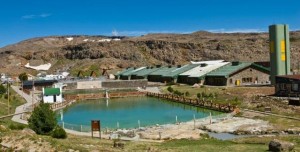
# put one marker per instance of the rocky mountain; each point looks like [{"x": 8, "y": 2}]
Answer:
[{"x": 88, "y": 53}]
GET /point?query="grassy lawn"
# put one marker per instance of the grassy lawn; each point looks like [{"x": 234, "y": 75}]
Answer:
[
  {"x": 14, "y": 101},
  {"x": 220, "y": 94},
  {"x": 281, "y": 123},
  {"x": 208, "y": 145}
]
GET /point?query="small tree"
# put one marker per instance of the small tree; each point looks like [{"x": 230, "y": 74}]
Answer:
[
  {"x": 42, "y": 119},
  {"x": 199, "y": 95},
  {"x": 170, "y": 89},
  {"x": 23, "y": 77},
  {"x": 2, "y": 89},
  {"x": 187, "y": 93},
  {"x": 59, "y": 132}
]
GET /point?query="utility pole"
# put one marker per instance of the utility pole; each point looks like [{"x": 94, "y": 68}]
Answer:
[
  {"x": 32, "y": 92},
  {"x": 8, "y": 108}
]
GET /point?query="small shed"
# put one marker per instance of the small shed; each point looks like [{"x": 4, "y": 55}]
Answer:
[
  {"x": 287, "y": 85},
  {"x": 52, "y": 95}
]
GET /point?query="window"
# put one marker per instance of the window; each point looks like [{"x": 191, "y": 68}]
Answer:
[
  {"x": 246, "y": 80},
  {"x": 294, "y": 87},
  {"x": 282, "y": 86},
  {"x": 230, "y": 81}
]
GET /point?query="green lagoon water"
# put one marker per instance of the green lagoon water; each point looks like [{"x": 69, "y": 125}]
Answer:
[{"x": 128, "y": 111}]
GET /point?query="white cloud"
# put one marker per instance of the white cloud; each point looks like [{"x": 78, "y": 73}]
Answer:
[{"x": 33, "y": 16}]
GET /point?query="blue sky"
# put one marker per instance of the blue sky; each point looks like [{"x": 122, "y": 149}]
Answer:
[{"x": 23, "y": 19}]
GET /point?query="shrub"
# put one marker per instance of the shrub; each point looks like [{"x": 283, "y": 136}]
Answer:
[
  {"x": 16, "y": 126},
  {"x": 171, "y": 83},
  {"x": 2, "y": 89},
  {"x": 199, "y": 95},
  {"x": 170, "y": 89},
  {"x": 42, "y": 119},
  {"x": 187, "y": 93},
  {"x": 178, "y": 93},
  {"x": 23, "y": 77},
  {"x": 59, "y": 132}
]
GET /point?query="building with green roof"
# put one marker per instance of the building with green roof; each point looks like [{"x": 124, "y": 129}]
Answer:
[
  {"x": 173, "y": 75},
  {"x": 52, "y": 95},
  {"x": 143, "y": 74},
  {"x": 238, "y": 73},
  {"x": 156, "y": 76}
]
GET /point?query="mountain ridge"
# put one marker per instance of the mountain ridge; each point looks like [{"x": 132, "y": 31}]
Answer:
[{"x": 85, "y": 52}]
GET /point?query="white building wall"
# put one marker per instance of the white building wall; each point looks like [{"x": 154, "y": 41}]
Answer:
[
  {"x": 89, "y": 85},
  {"x": 50, "y": 99}
]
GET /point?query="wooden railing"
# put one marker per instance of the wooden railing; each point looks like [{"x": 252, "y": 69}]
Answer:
[
  {"x": 60, "y": 105},
  {"x": 195, "y": 102},
  {"x": 102, "y": 95}
]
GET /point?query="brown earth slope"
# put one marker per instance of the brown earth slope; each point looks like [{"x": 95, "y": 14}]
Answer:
[{"x": 88, "y": 53}]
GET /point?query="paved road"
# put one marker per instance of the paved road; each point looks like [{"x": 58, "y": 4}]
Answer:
[{"x": 23, "y": 108}]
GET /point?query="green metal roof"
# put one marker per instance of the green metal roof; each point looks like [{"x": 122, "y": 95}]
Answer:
[
  {"x": 145, "y": 72},
  {"x": 261, "y": 68},
  {"x": 124, "y": 71},
  {"x": 229, "y": 69},
  {"x": 180, "y": 70},
  {"x": 163, "y": 70},
  {"x": 128, "y": 73},
  {"x": 51, "y": 91}
]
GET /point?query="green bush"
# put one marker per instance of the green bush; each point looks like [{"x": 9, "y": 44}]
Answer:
[
  {"x": 42, "y": 119},
  {"x": 171, "y": 83},
  {"x": 187, "y": 93},
  {"x": 199, "y": 95},
  {"x": 170, "y": 89},
  {"x": 23, "y": 77},
  {"x": 2, "y": 89},
  {"x": 59, "y": 133},
  {"x": 16, "y": 126},
  {"x": 178, "y": 93}
]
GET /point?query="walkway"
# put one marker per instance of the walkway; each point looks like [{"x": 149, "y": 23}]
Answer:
[{"x": 23, "y": 108}]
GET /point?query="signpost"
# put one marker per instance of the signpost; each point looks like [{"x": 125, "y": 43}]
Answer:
[{"x": 95, "y": 124}]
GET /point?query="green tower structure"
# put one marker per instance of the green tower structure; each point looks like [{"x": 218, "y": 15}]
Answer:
[{"x": 279, "y": 50}]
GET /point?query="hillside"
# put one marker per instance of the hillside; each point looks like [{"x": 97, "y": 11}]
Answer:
[{"x": 92, "y": 52}]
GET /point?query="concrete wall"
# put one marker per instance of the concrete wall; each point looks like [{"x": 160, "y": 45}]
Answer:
[
  {"x": 89, "y": 85},
  {"x": 124, "y": 84}
]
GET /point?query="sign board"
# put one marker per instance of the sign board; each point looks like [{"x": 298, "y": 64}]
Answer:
[{"x": 95, "y": 126}]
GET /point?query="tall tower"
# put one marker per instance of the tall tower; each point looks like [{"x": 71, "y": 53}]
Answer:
[{"x": 279, "y": 50}]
